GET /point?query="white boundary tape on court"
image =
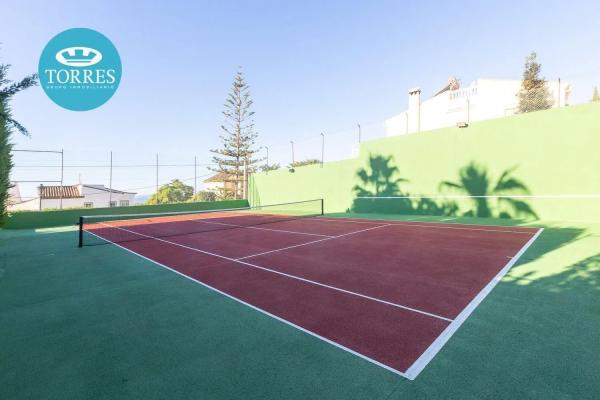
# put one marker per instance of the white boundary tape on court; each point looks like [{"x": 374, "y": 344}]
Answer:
[
  {"x": 420, "y": 224},
  {"x": 491, "y": 196},
  {"x": 415, "y": 369},
  {"x": 202, "y": 221},
  {"x": 420, "y": 363}
]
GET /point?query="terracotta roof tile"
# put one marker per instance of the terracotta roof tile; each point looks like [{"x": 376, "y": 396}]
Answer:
[
  {"x": 219, "y": 177},
  {"x": 54, "y": 192}
]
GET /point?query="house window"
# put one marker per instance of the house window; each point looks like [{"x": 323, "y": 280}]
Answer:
[
  {"x": 123, "y": 203},
  {"x": 112, "y": 204},
  {"x": 88, "y": 204}
]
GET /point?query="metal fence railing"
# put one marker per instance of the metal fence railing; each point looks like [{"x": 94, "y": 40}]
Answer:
[
  {"x": 116, "y": 171},
  {"x": 145, "y": 173}
]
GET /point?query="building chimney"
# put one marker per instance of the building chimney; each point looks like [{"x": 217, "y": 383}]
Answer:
[{"x": 414, "y": 110}]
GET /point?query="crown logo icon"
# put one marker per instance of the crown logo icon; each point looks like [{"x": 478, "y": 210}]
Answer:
[{"x": 78, "y": 56}]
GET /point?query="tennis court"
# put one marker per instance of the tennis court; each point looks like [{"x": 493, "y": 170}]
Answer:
[{"x": 391, "y": 292}]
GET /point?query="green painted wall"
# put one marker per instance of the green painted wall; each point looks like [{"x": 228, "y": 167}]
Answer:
[
  {"x": 330, "y": 182},
  {"x": 46, "y": 219},
  {"x": 555, "y": 152}
]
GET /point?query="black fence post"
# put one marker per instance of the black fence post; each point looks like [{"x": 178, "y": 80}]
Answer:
[{"x": 80, "y": 231}]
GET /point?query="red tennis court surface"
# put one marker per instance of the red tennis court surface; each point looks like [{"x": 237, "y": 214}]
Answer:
[{"x": 391, "y": 292}]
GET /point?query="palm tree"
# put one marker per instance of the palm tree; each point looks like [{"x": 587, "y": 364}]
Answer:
[
  {"x": 475, "y": 181},
  {"x": 7, "y": 123}
]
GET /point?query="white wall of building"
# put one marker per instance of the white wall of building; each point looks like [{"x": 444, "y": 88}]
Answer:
[
  {"x": 14, "y": 194},
  {"x": 31, "y": 204},
  {"x": 482, "y": 99},
  {"x": 213, "y": 186},
  {"x": 94, "y": 196},
  {"x": 100, "y": 198}
]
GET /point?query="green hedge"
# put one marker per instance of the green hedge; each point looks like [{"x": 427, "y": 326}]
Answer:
[{"x": 47, "y": 219}]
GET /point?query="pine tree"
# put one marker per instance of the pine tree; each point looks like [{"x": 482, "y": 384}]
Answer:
[
  {"x": 595, "y": 94},
  {"x": 7, "y": 123},
  {"x": 238, "y": 137},
  {"x": 5, "y": 162},
  {"x": 534, "y": 94}
]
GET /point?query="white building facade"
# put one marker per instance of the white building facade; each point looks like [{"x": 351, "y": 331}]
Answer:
[
  {"x": 218, "y": 183},
  {"x": 482, "y": 99},
  {"x": 76, "y": 196},
  {"x": 14, "y": 194}
]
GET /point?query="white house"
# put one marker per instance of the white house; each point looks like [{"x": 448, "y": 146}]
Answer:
[
  {"x": 482, "y": 99},
  {"x": 219, "y": 182},
  {"x": 76, "y": 196},
  {"x": 14, "y": 194}
]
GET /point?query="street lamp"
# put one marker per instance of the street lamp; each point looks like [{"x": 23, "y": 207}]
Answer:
[{"x": 322, "y": 149}]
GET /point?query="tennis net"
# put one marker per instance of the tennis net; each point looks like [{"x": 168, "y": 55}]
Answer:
[{"x": 118, "y": 228}]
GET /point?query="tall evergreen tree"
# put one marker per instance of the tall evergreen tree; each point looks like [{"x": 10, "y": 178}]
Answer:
[
  {"x": 5, "y": 162},
  {"x": 534, "y": 94},
  {"x": 595, "y": 94},
  {"x": 7, "y": 123},
  {"x": 238, "y": 139}
]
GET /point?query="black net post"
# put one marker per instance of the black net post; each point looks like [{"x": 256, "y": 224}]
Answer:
[
  {"x": 80, "y": 231},
  {"x": 322, "y": 207}
]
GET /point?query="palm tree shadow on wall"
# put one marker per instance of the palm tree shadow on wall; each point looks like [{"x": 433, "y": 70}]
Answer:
[
  {"x": 379, "y": 192},
  {"x": 489, "y": 198},
  {"x": 380, "y": 180}
]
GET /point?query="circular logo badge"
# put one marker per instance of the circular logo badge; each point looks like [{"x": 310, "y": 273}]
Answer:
[{"x": 80, "y": 69}]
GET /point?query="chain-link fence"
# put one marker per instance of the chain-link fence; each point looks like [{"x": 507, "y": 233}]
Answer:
[
  {"x": 144, "y": 174},
  {"x": 324, "y": 146},
  {"x": 484, "y": 99},
  {"x": 108, "y": 175}
]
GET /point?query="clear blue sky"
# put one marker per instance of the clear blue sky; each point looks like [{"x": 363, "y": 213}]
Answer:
[{"x": 313, "y": 66}]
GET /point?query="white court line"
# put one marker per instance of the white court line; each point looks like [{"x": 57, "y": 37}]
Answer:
[
  {"x": 420, "y": 363},
  {"x": 331, "y": 342},
  {"x": 289, "y": 275},
  {"x": 314, "y": 241},
  {"x": 434, "y": 224},
  {"x": 364, "y": 221},
  {"x": 259, "y": 228},
  {"x": 490, "y": 196}
]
